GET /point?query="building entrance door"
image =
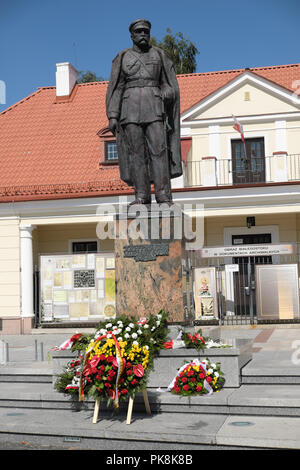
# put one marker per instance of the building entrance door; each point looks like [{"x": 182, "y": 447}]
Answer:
[{"x": 244, "y": 280}]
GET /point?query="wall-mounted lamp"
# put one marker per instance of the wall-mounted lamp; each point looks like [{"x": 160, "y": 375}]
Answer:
[{"x": 250, "y": 222}]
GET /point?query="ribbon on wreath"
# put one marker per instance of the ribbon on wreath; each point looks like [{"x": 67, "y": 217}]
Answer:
[
  {"x": 120, "y": 363},
  {"x": 68, "y": 343}
]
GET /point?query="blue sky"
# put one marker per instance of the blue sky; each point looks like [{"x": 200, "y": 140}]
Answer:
[{"x": 36, "y": 34}]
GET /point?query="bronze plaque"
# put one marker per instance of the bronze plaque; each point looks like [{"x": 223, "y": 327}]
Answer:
[{"x": 147, "y": 252}]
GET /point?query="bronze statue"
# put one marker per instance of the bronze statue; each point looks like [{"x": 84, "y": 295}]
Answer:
[{"x": 142, "y": 105}]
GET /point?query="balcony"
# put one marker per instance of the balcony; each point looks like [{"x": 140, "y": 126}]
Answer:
[{"x": 210, "y": 171}]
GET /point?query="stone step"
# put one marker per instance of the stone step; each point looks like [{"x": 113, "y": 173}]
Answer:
[
  {"x": 252, "y": 400},
  {"x": 285, "y": 373},
  {"x": 26, "y": 373},
  {"x": 271, "y": 380}
]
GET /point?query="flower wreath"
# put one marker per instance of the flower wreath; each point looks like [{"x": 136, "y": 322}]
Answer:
[
  {"x": 116, "y": 361},
  {"x": 193, "y": 341},
  {"x": 198, "y": 377}
]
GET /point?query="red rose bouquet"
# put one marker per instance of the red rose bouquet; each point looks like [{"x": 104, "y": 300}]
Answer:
[{"x": 198, "y": 378}]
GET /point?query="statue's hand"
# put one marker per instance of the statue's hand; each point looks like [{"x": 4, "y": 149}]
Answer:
[
  {"x": 113, "y": 123},
  {"x": 168, "y": 94}
]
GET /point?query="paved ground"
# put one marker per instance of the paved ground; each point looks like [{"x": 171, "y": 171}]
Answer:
[{"x": 275, "y": 349}]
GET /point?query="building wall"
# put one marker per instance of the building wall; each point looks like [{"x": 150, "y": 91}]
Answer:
[
  {"x": 56, "y": 238},
  {"x": 206, "y": 145},
  {"x": 215, "y": 141},
  {"x": 293, "y": 137},
  {"x": 258, "y": 102},
  {"x": 10, "y": 290},
  {"x": 288, "y": 226}
]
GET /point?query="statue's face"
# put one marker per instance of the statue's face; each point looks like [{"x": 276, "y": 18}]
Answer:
[{"x": 141, "y": 36}]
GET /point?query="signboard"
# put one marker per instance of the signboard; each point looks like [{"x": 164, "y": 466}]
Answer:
[
  {"x": 205, "y": 293},
  {"x": 77, "y": 286},
  {"x": 232, "y": 268},
  {"x": 247, "y": 250},
  {"x": 282, "y": 281}
]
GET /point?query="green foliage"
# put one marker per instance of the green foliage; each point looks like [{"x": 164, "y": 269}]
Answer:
[
  {"x": 180, "y": 50},
  {"x": 196, "y": 341},
  {"x": 88, "y": 76}
]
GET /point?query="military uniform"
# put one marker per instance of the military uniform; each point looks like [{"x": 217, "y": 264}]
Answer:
[{"x": 135, "y": 99}]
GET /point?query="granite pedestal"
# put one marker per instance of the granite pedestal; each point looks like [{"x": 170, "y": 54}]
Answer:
[{"x": 148, "y": 256}]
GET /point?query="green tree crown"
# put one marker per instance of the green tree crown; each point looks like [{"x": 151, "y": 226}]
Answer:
[{"x": 180, "y": 50}]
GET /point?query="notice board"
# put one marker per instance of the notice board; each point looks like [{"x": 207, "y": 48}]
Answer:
[{"x": 79, "y": 286}]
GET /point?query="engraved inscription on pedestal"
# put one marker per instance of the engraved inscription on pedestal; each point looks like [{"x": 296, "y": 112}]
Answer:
[
  {"x": 146, "y": 252},
  {"x": 84, "y": 278}
]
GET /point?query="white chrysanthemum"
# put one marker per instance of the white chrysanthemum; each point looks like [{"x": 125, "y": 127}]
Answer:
[
  {"x": 135, "y": 343},
  {"x": 216, "y": 374},
  {"x": 210, "y": 370},
  {"x": 127, "y": 335},
  {"x": 146, "y": 325},
  {"x": 103, "y": 331},
  {"x": 109, "y": 336},
  {"x": 131, "y": 325},
  {"x": 146, "y": 347},
  {"x": 127, "y": 328},
  {"x": 134, "y": 336},
  {"x": 213, "y": 366},
  {"x": 139, "y": 331},
  {"x": 153, "y": 328},
  {"x": 109, "y": 325},
  {"x": 158, "y": 323},
  {"x": 120, "y": 339},
  {"x": 159, "y": 316}
]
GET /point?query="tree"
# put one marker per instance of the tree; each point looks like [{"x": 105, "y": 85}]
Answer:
[
  {"x": 180, "y": 49},
  {"x": 89, "y": 76}
]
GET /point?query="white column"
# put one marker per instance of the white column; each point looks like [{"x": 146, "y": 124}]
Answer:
[
  {"x": 280, "y": 129},
  {"x": 280, "y": 167},
  {"x": 215, "y": 148},
  {"x": 208, "y": 171},
  {"x": 26, "y": 270}
]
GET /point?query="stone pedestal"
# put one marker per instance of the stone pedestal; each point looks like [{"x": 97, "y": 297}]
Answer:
[{"x": 148, "y": 257}]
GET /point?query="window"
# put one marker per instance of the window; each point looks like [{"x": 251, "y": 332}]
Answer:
[
  {"x": 111, "y": 153},
  {"x": 84, "y": 247},
  {"x": 249, "y": 168}
]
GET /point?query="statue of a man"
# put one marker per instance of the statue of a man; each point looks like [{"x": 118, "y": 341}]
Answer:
[{"x": 142, "y": 105}]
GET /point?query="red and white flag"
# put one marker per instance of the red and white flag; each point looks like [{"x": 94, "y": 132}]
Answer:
[{"x": 238, "y": 127}]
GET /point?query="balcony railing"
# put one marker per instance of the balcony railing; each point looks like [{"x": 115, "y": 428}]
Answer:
[{"x": 210, "y": 171}]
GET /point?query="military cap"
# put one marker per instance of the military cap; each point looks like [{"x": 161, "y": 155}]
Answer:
[{"x": 141, "y": 22}]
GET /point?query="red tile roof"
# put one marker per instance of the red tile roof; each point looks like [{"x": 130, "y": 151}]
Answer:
[
  {"x": 50, "y": 147},
  {"x": 195, "y": 87}
]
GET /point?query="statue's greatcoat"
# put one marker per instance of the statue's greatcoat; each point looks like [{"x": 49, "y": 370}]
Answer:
[{"x": 116, "y": 93}]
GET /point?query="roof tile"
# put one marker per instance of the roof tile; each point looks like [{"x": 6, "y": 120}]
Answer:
[{"x": 46, "y": 144}]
